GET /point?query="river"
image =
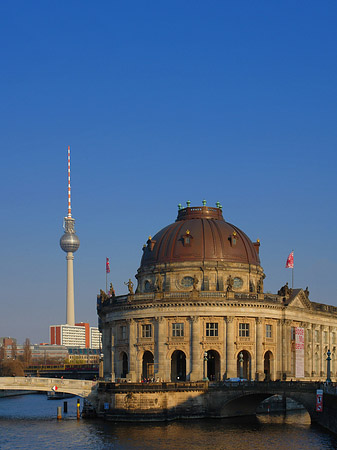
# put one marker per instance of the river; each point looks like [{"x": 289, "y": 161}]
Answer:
[{"x": 29, "y": 422}]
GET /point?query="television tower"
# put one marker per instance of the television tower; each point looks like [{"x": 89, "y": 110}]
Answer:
[{"x": 69, "y": 243}]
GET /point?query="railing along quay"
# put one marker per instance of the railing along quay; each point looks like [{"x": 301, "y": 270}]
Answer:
[{"x": 155, "y": 386}]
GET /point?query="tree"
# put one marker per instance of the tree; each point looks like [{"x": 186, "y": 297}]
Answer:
[
  {"x": 2, "y": 353},
  {"x": 27, "y": 353},
  {"x": 14, "y": 350},
  {"x": 11, "y": 367}
]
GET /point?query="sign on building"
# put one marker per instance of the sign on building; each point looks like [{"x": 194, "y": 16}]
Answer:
[
  {"x": 319, "y": 400},
  {"x": 299, "y": 352}
]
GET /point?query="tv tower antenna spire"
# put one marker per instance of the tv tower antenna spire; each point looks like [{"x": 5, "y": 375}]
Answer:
[
  {"x": 69, "y": 243},
  {"x": 69, "y": 188}
]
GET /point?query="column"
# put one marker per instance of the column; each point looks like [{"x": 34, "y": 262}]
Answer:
[
  {"x": 196, "y": 373},
  {"x": 106, "y": 348},
  {"x": 159, "y": 350},
  {"x": 259, "y": 350},
  {"x": 278, "y": 356},
  {"x": 112, "y": 340},
  {"x": 286, "y": 351},
  {"x": 223, "y": 360},
  {"x": 230, "y": 360},
  {"x": 132, "y": 375}
]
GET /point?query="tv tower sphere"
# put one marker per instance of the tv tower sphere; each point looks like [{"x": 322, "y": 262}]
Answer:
[{"x": 69, "y": 242}]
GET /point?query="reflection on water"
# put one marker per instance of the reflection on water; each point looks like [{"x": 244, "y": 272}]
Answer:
[{"x": 29, "y": 422}]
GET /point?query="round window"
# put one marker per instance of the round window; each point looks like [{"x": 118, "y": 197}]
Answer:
[
  {"x": 238, "y": 283},
  {"x": 187, "y": 281}
]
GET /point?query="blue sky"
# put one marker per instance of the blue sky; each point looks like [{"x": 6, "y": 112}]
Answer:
[{"x": 162, "y": 102}]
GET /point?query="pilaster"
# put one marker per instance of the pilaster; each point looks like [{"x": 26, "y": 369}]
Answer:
[{"x": 230, "y": 336}]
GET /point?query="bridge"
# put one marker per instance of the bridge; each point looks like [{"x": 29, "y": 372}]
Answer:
[
  {"x": 81, "y": 388},
  {"x": 167, "y": 401}
]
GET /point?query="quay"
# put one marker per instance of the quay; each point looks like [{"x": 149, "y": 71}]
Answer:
[{"x": 195, "y": 400}]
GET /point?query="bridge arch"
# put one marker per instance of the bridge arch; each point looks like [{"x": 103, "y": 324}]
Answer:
[{"x": 242, "y": 403}]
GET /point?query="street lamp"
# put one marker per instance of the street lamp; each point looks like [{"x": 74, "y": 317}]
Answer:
[
  {"x": 205, "y": 367},
  {"x": 328, "y": 369}
]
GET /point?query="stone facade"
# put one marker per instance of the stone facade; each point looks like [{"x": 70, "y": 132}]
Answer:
[{"x": 199, "y": 312}]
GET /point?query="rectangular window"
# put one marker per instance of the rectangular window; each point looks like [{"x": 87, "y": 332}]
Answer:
[
  {"x": 211, "y": 329},
  {"x": 309, "y": 335},
  {"x": 325, "y": 337},
  {"x": 316, "y": 336},
  {"x": 146, "y": 331},
  {"x": 292, "y": 333},
  {"x": 268, "y": 331},
  {"x": 244, "y": 329},
  {"x": 177, "y": 329},
  {"x": 123, "y": 332}
]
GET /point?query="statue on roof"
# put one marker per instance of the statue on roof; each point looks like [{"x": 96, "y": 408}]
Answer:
[
  {"x": 285, "y": 291},
  {"x": 230, "y": 283},
  {"x": 159, "y": 283},
  {"x": 129, "y": 284},
  {"x": 195, "y": 282}
]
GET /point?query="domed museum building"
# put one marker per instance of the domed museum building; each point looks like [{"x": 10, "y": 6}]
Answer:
[{"x": 199, "y": 311}]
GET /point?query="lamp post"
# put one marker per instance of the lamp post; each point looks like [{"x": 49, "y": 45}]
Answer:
[
  {"x": 241, "y": 364},
  {"x": 205, "y": 367},
  {"x": 328, "y": 369}
]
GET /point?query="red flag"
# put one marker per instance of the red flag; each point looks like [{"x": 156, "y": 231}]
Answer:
[
  {"x": 290, "y": 261},
  {"x": 107, "y": 265}
]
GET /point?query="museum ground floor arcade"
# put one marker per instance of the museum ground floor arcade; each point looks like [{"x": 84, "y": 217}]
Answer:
[{"x": 210, "y": 363}]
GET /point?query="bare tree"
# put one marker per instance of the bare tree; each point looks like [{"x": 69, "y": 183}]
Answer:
[
  {"x": 27, "y": 353},
  {"x": 14, "y": 351},
  {"x": 2, "y": 353}
]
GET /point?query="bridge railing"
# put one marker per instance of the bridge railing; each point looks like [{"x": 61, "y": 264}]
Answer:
[
  {"x": 268, "y": 385},
  {"x": 155, "y": 386}
]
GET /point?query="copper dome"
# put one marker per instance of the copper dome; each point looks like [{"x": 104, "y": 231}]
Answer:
[{"x": 200, "y": 234}]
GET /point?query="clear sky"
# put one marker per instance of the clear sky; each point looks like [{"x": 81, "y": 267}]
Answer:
[{"x": 162, "y": 102}]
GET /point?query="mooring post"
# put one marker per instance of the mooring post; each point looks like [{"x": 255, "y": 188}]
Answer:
[
  {"x": 78, "y": 409},
  {"x": 59, "y": 413}
]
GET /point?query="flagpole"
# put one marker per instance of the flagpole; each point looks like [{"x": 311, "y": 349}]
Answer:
[{"x": 292, "y": 272}]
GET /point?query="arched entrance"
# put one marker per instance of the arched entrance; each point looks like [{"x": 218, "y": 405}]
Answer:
[
  {"x": 244, "y": 365},
  {"x": 213, "y": 365},
  {"x": 148, "y": 365},
  {"x": 125, "y": 364},
  {"x": 178, "y": 366},
  {"x": 267, "y": 365}
]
